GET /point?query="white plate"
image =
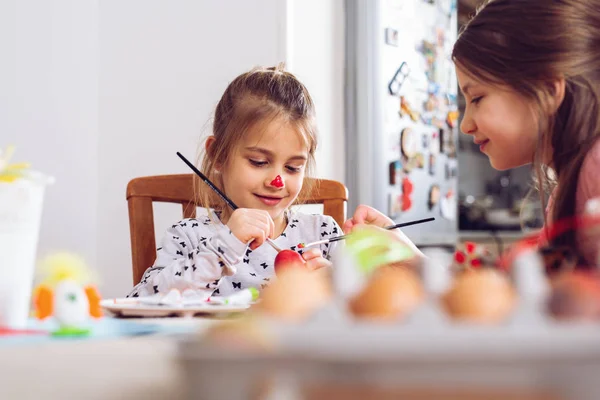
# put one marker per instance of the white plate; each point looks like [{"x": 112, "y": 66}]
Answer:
[{"x": 130, "y": 307}]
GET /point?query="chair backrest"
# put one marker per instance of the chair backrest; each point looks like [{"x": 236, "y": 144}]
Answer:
[{"x": 143, "y": 191}]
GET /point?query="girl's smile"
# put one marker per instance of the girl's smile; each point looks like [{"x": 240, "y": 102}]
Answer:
[{"x": 269, "y": 200}]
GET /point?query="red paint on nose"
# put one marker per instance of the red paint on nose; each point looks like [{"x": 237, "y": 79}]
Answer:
[{"x": 277, "y": 182}]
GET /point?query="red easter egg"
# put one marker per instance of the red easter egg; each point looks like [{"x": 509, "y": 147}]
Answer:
[{"x": 288, "y": 259}]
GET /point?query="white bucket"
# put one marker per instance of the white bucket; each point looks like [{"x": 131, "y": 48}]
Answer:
[{"x": 21, "y": 204}]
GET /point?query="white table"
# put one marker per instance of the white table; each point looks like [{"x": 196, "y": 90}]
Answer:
[{"x": 142, "y": 367}]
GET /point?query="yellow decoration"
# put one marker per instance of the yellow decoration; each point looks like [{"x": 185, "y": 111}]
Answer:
[
  {"x": 11, "y": 172},
  {"x": 60, "y": 266}
]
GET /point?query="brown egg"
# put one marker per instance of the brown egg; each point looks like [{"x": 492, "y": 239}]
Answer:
[
  {"x": 575, "y": 296},
  {"x": 482, "y": 296},
  {"x": 296, "y": 294},
  {"x": 391, "y": 293}
]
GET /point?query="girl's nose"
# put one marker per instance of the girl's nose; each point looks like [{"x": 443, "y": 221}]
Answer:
[
  {"x": 468, "y": 125},
  {"x": 277, "y": 182}
]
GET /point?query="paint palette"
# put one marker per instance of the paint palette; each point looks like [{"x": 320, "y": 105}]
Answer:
[{"x": 131, "y": 307}]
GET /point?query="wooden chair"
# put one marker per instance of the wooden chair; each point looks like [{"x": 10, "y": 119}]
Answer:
[{"x": 142, "y": 192}]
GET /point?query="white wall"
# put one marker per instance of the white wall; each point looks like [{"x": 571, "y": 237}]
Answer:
[
  {"x": 316, "y": 55},
  {"x": 98, "y": 92},
  {"x": 49, "y": 110},
  {"x": 163, "y": 67}
]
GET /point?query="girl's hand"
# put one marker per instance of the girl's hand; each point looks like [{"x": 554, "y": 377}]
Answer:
[
  {"x": 314, "y": 259},
  {"x": 366, "y": 215},
  {"x": 250, "y": 225}
]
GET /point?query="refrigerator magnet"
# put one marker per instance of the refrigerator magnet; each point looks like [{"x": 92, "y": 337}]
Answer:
[
  {"x": 432, "y": 160},
  {"x": 391, "y": 37},
  {"x": 406, "y": 203},
  {"x": 394, "y": 206},
  {"x": 395, "y": 170},
  {"x": 434, "y": 145},
  {"x": 452, "y": 119},
  {"x": 420, "y": 160},
  {"x": 443, "y": 140},
  {"x": 408, "y": 143},
  {"x": 407, "y": 186},
  {"x": 409, "y": 164},
  {"x": 406, "y": 109},
  {"x": 432, "y": 103},
  {"x": 440, "y": 34},
  {"x": 425, "y": 140},
  {"x": 434, "y": 196},
  {"x": 398, "y": 79},
  {"x": 438, "y": 122},
  {"x": 450, "y": 99},
  {"x": 447, "y": 144},
  {"x": 450, "y": 169},
  {"x": 448, "y": 206}
]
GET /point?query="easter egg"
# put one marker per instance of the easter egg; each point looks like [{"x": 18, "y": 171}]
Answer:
[
  {"x": 481, "y": 296},
  {"x": 575, "y": 296},
  {"x": 391, "y": 293},
  {"x": 295, "y": 295},
  {"x": 288, "y": 258}
]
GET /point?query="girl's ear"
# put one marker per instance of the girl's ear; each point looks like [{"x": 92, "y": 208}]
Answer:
[
  {"x": 210, "y": 153},
  {"x": 557, "y": 94},
  {"x": 210, "y": 141}
]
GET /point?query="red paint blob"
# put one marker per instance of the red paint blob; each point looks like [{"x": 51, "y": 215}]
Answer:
[{"x": 277, "y": 182}]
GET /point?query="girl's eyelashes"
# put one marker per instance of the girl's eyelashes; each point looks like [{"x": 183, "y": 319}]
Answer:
[
  {"x": 476, "y": 100},
  {"x": 258, "y": 163},
  {"x": 293, "y": 170},
  {"x": 261, "y": 163}
]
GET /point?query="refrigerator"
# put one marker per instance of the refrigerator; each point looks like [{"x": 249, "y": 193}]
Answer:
[{"x": 401, "y": 113}]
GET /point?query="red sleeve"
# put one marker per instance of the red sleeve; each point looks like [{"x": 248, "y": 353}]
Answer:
[{"x": 588, "y": 187}]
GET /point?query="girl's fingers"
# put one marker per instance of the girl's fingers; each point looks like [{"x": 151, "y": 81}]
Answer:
[
  {"x": 310, "y": 254},
  {"x": 271, "y": 227},
  {"x": 348, "y": 225},
  {"x": 258, "y": 235},
  {"x": 317, "y": 263}
]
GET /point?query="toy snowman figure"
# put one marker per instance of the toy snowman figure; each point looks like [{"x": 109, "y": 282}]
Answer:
[{"x": 67, "y": 295}]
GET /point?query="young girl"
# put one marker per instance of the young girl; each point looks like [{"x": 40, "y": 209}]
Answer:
[
  {"x": 530, "y": 74},
  {"x": 262, "y": 146}
]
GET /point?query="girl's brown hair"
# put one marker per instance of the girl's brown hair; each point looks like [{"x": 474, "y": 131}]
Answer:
[
  {"x": 256, "y": 97},
  {"x": 526, "y": 46}
]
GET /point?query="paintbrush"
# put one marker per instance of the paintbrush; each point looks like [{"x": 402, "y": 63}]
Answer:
[
  {"x": 226, "y": 199},
  {"x": 335, "y": 239}
]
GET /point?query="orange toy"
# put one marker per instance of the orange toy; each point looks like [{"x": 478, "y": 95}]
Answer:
[{"x": 67, "y": 295}]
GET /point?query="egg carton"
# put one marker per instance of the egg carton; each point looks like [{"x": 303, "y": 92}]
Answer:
[{"x": 530, "y": 352}]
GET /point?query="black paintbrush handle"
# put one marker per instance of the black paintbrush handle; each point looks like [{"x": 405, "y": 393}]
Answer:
[
  {"x": 208, "y": 182},
  {"x": 419, "y": 221}
]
